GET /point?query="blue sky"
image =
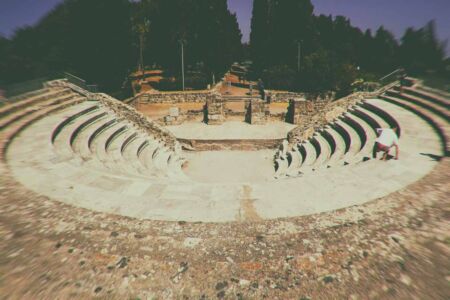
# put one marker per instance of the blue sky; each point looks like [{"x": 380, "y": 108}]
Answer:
[{"x": 395, "y": 15}]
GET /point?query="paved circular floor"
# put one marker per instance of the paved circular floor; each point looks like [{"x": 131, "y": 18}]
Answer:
[
  {"x": 232, "y": 130},
  {"x": 230, "y": 166},
  {"x": 215, "y": 193}
]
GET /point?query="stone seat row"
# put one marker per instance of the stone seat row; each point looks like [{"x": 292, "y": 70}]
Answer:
[
  {"x": 425, "y": 105},
  {"x": 35, "y": 162},
  {"x": 347, "y": 140},
  {"x": 350, "y": 138},
  {"x": 36, "y": 101},
  {"x": 97, "y": 138}
]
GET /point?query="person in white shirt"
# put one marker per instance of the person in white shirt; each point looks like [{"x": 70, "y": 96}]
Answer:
[{"x": 387, "y": 138}]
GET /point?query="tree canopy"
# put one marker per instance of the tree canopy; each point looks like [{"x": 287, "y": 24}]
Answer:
[
  {"x": 332, "y": 52},
  {"x": 98, "y": 40},
  {"x": 291, "y": 48}
]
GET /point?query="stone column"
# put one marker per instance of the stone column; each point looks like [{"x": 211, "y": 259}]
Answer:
[
  {"x": 258, "y": 112},
  {"x": 299, "y": 110},
  {"x": 215, "y": 109}
]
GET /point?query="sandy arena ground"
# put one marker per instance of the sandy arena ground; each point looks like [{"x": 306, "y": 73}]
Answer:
[
  {"x": 231, "y": 131},
  {"x": 230, "y": 166}
]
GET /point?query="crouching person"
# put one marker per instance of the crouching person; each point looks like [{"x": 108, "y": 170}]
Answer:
[{"x": 387, "y": 139}]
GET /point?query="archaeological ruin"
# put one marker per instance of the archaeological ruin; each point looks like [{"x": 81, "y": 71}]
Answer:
[{"x": 206, "y": 195}]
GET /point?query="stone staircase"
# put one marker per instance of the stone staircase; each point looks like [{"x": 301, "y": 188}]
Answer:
[
  {"x": 77, "y": 150},
  {"x": 349, "y": 139},
  {"x": 72, "y": 229}
]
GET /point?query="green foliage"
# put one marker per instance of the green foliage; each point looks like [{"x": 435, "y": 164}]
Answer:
[
  {"x": 99, "y": 40},
  {"x": 210, "y": 34},
  {"x": 89, "y": 38},
  {"x": 421, "y": 50},
  {"x": 333, "y": 53},
  {"x": 280, "y": 77}
]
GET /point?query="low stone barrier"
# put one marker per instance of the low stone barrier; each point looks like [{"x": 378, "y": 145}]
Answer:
[
  {"x": 285, "y": 96},
  {"x": 171, "y": 97},
  {"x": 228, "y": 144}
]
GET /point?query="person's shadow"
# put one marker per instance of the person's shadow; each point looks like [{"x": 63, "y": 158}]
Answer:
[{"x": 432, "y": 156}]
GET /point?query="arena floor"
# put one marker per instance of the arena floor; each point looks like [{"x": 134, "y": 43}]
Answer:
[{"x": 233, "y": 130}]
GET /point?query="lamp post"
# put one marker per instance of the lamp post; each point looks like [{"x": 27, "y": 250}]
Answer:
[
  {"x": 182, "y": 61},
  {"x": 143, "y": 29},
  {"x": 299, "y": 54}
]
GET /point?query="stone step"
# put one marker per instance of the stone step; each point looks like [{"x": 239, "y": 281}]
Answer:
[
  {"x": 31, "y": 100},
  {"x": 164, "y": 199},
  {"x": 61, "y": 136},
  {"x": 99, "y": 145},
  {"x": 355, "y": 141},
  {"x": 94, "y": 118},
  {"x": 439, "y": 124},
  {"x": 161, "y": 160},
  {"x": 130, "y": 153},
  {"x": 339, "y": 152},
  {"x": 15, "y": 115},
  {"x": 281, "y": 167},
  {"x": 440, "y": 110},
  {"x": 146, "y": 157},
  {"x": 430, "y": 90},
  {"x": 341, "y": 132},
  {"x": 379, "y": 120},
  {"x": 357, "y": 127},
  {"x": 25, "y": 96},
  {"x": 115, "y": 151},
  {"x": 296, "y": 160},
  {"x": 322, "y": 147},
  {"x": 444, "y": 102},
  {"x": 81, "y": 144},
  {"x": 370, "y": 136},
  {"x": 389, "y": 119},
  {"x": 309, "y": 154},
  {"x": 13, "y": 129},
  {"x": 71, "y": 118}
]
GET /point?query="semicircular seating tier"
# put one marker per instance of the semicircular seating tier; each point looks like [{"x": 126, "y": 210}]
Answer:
[{"x": 62, "y": 144}]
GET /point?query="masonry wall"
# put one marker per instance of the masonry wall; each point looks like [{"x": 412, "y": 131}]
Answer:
[{"x": 243, "y": 145}]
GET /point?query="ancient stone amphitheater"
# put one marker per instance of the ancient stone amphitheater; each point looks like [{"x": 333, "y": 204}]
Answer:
[{"x": 95, "y": 203}]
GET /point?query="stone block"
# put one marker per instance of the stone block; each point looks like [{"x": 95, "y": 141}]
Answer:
[
  {"x": 215, "y": 109},
  {"x": 300, "y": 110},
  {"x": 174, "y": 112},
  {"x": 258, "y": 112}
]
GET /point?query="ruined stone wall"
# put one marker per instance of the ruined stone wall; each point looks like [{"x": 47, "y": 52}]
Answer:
[
  {"x": 243, "y": 145},
  {"x": 215, "y": 109},
  {"x": 299, "y": 111},
  {"x": 325, "y": 112},
  {"x": 284, "y": 96},
  {"x": 258, "y": 112},
  {"x": 171, "y": 97},
  {"x": 129, "y": 113}
]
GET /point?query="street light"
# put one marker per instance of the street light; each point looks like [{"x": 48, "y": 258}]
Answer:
[
  {"x": 142, "y": 29},
  {"x": 299, "y": 53},
  {"x": 182, "y": 61}
]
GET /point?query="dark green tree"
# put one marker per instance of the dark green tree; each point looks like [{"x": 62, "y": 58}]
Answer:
[
  {"x": 421, "y": 51},
  {"x": 259, "y": 35}
]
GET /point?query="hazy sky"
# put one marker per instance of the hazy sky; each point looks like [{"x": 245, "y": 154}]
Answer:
[{"x": 395, "y": 15}]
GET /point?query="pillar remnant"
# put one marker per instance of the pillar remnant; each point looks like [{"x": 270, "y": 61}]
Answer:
[
  {"x": 258, "y": 112},
  {"x": 299, "y": 110},
  {"x": 215, "y": 113}
]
